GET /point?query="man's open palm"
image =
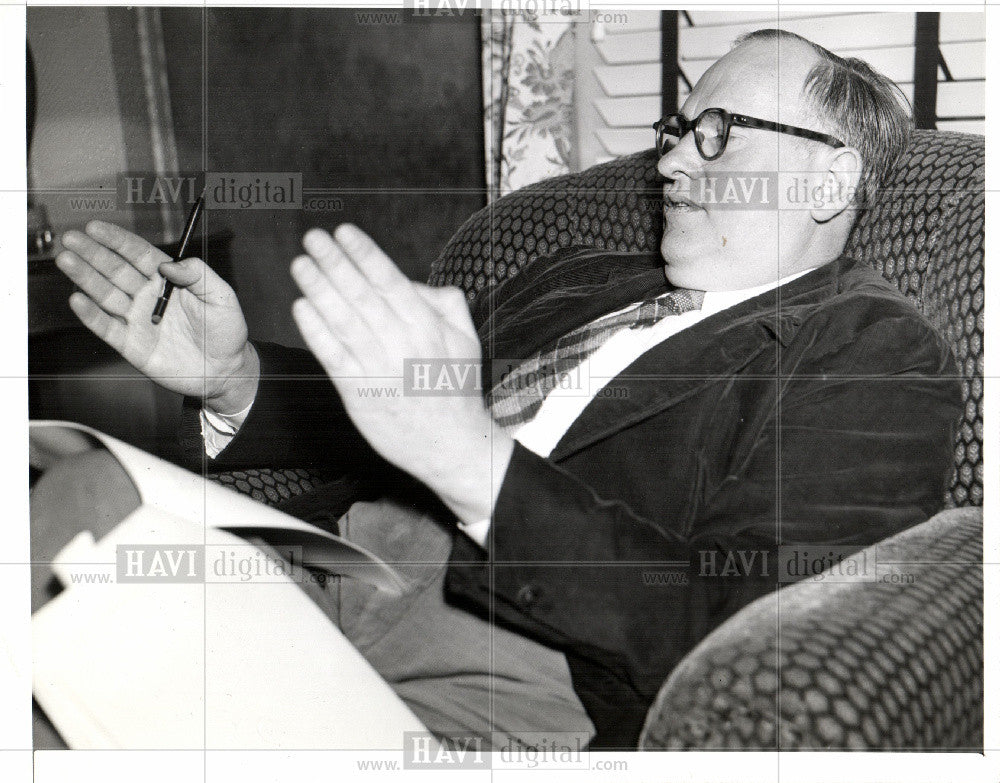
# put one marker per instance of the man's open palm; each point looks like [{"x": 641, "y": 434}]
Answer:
[
  {"x": 200, "y": 347},
  {"x": 363, "y": 319}
]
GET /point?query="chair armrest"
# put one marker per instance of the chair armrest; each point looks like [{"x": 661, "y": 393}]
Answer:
[{"x": 894, "y": 662}]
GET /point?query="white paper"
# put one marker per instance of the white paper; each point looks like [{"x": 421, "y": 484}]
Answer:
[
  {"x": 203, "y": 665},
  {"x": 208, "y": 663}
]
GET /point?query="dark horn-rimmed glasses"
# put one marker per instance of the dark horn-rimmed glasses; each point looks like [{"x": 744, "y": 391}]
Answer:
[{"x": 711, "y": 131}]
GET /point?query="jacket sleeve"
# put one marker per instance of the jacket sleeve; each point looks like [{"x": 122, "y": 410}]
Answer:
[
  {"x": 854, "y": 446},
  {"x": 297, "y": 421}
]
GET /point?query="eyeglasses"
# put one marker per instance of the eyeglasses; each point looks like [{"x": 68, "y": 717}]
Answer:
[{"x": 711, "y": 131}]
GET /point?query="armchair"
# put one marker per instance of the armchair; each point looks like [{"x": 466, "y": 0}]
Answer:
[{"x": 894, "y": 664}]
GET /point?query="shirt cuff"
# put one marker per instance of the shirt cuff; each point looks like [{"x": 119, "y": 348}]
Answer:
[
  {"x": 478, "y": 531},
  {"x": 218, "y": 429}
]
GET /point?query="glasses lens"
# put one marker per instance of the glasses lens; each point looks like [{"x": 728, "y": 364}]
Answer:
[
  {"x": 709, "y": 133},
  {"x": 668, "y": 133}
]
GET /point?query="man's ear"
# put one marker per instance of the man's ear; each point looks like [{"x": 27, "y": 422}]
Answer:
[{"x": 836, "y": 185}]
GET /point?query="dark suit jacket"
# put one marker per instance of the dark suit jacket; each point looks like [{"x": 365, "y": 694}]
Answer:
[{"x": 817, "y": 415}]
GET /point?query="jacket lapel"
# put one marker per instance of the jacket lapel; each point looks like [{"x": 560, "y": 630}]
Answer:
[{"x": 719, "y": 346}]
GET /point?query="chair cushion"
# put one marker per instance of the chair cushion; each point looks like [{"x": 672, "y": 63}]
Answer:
[
  {"x": 895, "y": 664},
  {"x": 924, "y": 232}
]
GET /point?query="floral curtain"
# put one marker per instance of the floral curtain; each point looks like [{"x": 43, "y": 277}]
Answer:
[{"x": 528, "y": 79}]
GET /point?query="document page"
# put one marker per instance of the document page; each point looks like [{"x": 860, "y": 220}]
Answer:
[{"x": 150, "y": 646}]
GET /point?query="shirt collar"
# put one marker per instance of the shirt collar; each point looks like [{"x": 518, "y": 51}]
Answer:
[{"x": 717, "y": 301}]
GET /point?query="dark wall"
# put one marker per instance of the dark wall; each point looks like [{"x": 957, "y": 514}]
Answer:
[{"x": 388, "y": 114}]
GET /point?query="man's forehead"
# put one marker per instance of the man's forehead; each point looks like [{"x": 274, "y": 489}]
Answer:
[{"x": 760, "y": 78}]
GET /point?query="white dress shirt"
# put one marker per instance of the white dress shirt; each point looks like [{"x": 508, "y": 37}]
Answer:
[{"x": 562, "y": 406}]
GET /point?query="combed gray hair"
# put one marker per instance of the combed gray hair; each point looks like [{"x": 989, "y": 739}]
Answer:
[{"x": 866, "y": 109}]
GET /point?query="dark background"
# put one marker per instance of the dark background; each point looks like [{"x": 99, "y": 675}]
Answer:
[{"x": 393, "y": 111}]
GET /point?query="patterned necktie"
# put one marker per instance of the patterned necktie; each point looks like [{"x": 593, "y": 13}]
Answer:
[{"x": 517, "y": 396}]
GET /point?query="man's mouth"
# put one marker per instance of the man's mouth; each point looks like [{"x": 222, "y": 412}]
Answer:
[{"x": 677, "y": 202}]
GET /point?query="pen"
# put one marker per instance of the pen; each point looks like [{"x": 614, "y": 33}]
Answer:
[{"x": 168, "y": 287}]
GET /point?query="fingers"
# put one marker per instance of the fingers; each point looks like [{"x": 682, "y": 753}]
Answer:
[
  {"x": 97, "y": 287},
  {"x": 369, "y": 259},
  {"x": 106, "y": 262},
  {"x": 336, "y": 274},
  {"x": 109, "y": 329},
  {"x": 364, "y": 275},
  {"x": 338, "y": 315},
  {"x": 372, "y": 308},
  {"x": 336, "y": 359},
  {"x": 109, "y": 264},
  {"x": 336, "y": 265},
  {"x": 134, "y": 249}
]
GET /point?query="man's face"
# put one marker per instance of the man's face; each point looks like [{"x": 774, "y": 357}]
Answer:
[{"x": 739, "y": 241}]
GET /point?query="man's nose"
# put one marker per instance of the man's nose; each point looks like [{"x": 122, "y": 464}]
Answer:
[{"x": 682, "y": 159}]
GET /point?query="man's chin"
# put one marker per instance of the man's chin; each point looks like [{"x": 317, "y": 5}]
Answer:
[
  {"x": 675, "y": 254},
  {"x": 683, "y": 268},
  {"x": 677, "y": 274}
]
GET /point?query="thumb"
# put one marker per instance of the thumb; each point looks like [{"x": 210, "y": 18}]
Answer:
[
  {"x": 194, "y": 275},
  {"x": 451, "y": 304}
]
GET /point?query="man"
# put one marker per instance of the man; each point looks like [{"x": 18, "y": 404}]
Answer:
[{"x": 768, "y": 392}]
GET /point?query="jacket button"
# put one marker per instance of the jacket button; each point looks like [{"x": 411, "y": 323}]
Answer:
[{"x": 528, "y": 596}]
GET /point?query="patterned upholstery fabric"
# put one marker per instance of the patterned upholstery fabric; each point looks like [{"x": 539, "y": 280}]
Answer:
[
  {"x": 270, "y": 486},
  {"x": 924, "y": 232},
  {"x": 616, "y": 205},
  {"x": 894, "y": 664}
]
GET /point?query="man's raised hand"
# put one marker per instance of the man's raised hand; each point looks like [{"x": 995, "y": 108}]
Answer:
[
  {"x": 200, "y": 348},
  {"x": 363, "y": 318}
]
